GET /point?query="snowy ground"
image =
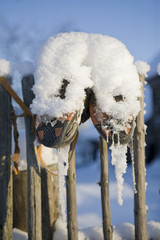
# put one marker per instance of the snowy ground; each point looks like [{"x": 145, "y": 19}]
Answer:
[{"x": 89, "y": 202}]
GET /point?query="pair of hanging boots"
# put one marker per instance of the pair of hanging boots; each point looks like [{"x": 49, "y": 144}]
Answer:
[{"x": 58, "y": 132}]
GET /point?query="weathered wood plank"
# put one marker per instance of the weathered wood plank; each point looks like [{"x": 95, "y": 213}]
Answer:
[
  {"x": 33, "y": 167},
  {"x": 106, "y": 216},
  {"x": 6, "y": 202},
  {"x": 50, "y": 206},
  {"x": 140, "y": 212},
  {"x": 72, "y": 224}
]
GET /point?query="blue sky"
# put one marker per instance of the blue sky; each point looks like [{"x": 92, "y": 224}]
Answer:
[{"x": 136, "y": 23}]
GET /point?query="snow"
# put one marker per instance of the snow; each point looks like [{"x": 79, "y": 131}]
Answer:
[
  {"x": 19, "y": 235},
  {"x": 142, "y": 67},
  {"x": 62, "y": 172},
  {"x": 5, "y": 68},
  {"x": 154, "y": 230},
  {"x": 158, "y": 68},
  {"x": 85, "y": 60},
  {"x": 50, "y": 155},
  {"x": 61, "y": 58},
  {"x": 124, "y": 231}
]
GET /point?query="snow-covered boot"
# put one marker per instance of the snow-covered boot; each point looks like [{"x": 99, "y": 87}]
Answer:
[
  {"x": 58, "y": 132},
  {"x": 106, "y": 126}
]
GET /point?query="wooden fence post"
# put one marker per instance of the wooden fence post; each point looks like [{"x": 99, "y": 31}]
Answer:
[
  {"x": 6, "y": 196},
  {"x": 107, "y": 225},
  {"x": 71, "y": 197},
  {"x": 33, "y": 167},
  {"x": 139, "y": 156}
]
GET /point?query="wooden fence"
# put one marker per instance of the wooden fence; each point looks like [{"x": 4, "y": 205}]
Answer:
[{"x": 41, "y": 190}]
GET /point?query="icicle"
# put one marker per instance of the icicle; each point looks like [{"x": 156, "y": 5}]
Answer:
[
  {"x": 62, "y": 172},
  {"x": 118, "y": 139},
  {"x": 113, "y": 138},
  {"x": 133, "y": 169},
  {"x": 107, "y": 132},
  {"x": 120, "y": 163}
]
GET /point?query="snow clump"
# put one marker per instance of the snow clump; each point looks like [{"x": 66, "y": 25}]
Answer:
[
  {"x": 85, "y": 61},
  {"x": 142, "y": 68},
  {"x": 5, "y": 68}
]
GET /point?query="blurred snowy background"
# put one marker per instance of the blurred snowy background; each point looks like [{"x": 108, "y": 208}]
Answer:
[{"x": 25, "y": 25}]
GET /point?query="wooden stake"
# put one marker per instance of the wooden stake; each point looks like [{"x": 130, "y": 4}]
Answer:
[
  {"x": 107, "y": 225},
  {"x": 139, "y": 156},
  {"x": 71, "y": 197},
  {"x": 33, "y": 167},
  {"x": 6, "y": 185}
]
